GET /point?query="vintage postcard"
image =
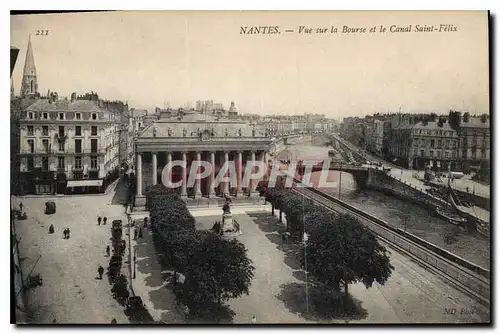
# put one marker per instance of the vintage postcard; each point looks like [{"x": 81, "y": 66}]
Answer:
[{"x": 250, "y": 167}]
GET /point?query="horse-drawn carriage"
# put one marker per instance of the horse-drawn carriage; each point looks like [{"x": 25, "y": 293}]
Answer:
[
  {"x": 116, "y": 229},
  {"x": 50, "y": 207},
  {"x": 119, "y": 289},
  {"x": 115, "y": 266}
]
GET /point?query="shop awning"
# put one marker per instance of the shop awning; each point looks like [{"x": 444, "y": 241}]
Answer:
[{"x": 84, "y": 183}]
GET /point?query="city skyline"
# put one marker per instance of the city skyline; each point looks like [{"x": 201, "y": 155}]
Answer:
[{"x": 148, "y": 58}]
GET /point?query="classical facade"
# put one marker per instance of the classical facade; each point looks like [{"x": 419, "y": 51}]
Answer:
[
  {"x": 433, "y": 144},
  {"x": 474, "y": 140},
  {"x": 191, "y": 137},
  {"x": 67, "y": 140}
]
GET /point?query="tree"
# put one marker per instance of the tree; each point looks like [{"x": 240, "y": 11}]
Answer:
[
  {"x": 340, "y": 250},
  {"x": 173, "y": 228},
  {"x": 272, "y": 194},
  {"x": 296, "y": 207},
  {"x": 217, "y": 270}
]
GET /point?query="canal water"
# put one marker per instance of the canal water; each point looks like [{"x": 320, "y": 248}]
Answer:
[{"x": 418, "y": 220}]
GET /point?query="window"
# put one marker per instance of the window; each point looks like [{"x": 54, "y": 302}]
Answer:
[
  {"x": 447, "y": 143},
  {"x": 45, "y": 144},
  {"x": 78, "y": 162},
  {"x": 431, "y": 153},
  {"x": 78, "y": 131},
  {"x": 30, "y": 130},
  {"x": 45, "y": 163},
  {"x": 45, "y": 130},
  {"x": 446, "y": 155},
  {"x": 93, "y": 131},
  {"x": 61, "y": 115},
  {"x": 415, "y": 151},
  {"x": 439, "y": 143},
  {"x": 422, "y": 153},
  {"x": 45, "y": 115},
  {"x": 93, "y": 146},
  {"x": 464, "y": 153},
  {"x": 60, "y": 162},
  {"x": 78, "y": 116},
  {"x": 61, "y": 131},
  {"x": 61, "y": 146},
  {"x": 30, "y": 163},
  {"x": 93, "y": 162},
  {"x": 483, "y": 154},
  {"x": 31, "y": 145},
  {"x": 438, "y": 154},
  {"x": 432, "y": 143},
  {"x": 78, "y": 146},
  {"x": 453, "y": 154},
  {"x": 94, "y": 116},
  {"x": 30, "y": 115}
]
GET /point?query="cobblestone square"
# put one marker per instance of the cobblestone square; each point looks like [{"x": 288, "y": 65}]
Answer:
[{"x": 71, "y": 292}]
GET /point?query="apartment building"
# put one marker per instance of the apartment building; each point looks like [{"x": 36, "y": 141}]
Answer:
[{"x": 67, "y": 140}]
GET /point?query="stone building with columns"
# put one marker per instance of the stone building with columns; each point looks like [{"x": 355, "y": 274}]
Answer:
[{"x": 194, "y": 136}]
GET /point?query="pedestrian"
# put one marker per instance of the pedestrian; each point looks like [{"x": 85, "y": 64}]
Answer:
[
  {"x": 107, "y": 250},
  {"x": 145, "y": 221},
  {"x": 99, "y": 219},
  {"x": 113, "y": 322},
  {"x": 100, "y": 271},
  {"x": 254, "y": 320},
  {"x": 21, "y": 206},
  {"x": 135, "y": 234},
  {"x": 51, "y": 228},
  {"x": 467, "y": 188},
  {"x": 65, "y": 233},
  {"x": 68, "y": 231},
  {"x": 104, "y": 220},
  {"x": 140, "y": 232}
]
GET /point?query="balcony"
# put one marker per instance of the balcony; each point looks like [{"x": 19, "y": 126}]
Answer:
[
  {"x": 60, "y": 137},
  {"x": 99, "y": 151}
]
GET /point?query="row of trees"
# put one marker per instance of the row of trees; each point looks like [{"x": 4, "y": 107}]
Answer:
[
  {"x": 340, "y": 249},
  {"x": 215, "y": 269}
]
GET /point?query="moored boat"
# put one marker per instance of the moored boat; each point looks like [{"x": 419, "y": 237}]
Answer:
[{"x": 450, "y": 216}]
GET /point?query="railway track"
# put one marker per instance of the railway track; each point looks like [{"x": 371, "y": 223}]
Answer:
[{"x": 464, "y": 275}]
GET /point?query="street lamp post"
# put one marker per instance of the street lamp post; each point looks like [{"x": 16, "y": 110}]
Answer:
[
  {"x": 305, "y": 238},
  {"x": 135, "y": 257},
  {"x": 340, "y": 178}
]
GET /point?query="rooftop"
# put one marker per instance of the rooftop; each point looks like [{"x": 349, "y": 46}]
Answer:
[
  {"x": 475, "y": 122},
  {"x": 199, "y": 128},
  {"x": 64, "y": 105}
]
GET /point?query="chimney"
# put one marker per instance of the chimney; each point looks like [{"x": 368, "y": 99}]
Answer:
[{"x": 73, "y": 97}]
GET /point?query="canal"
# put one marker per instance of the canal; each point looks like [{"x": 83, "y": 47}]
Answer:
[{"x": 418, "y": 220}]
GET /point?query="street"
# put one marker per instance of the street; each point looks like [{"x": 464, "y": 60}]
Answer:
[{"x": 71, "y": 292}]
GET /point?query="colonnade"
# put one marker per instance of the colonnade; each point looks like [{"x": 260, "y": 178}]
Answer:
[{"x": 240, "y": 158}]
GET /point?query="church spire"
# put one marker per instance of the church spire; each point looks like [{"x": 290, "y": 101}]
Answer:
[{"x": 29, "y": 85}]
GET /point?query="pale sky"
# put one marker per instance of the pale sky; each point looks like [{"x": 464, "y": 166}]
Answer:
[{"x": 148, "y": 58}]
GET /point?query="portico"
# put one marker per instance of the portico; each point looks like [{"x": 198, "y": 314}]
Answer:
[{"x": 217, "y": 143}]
